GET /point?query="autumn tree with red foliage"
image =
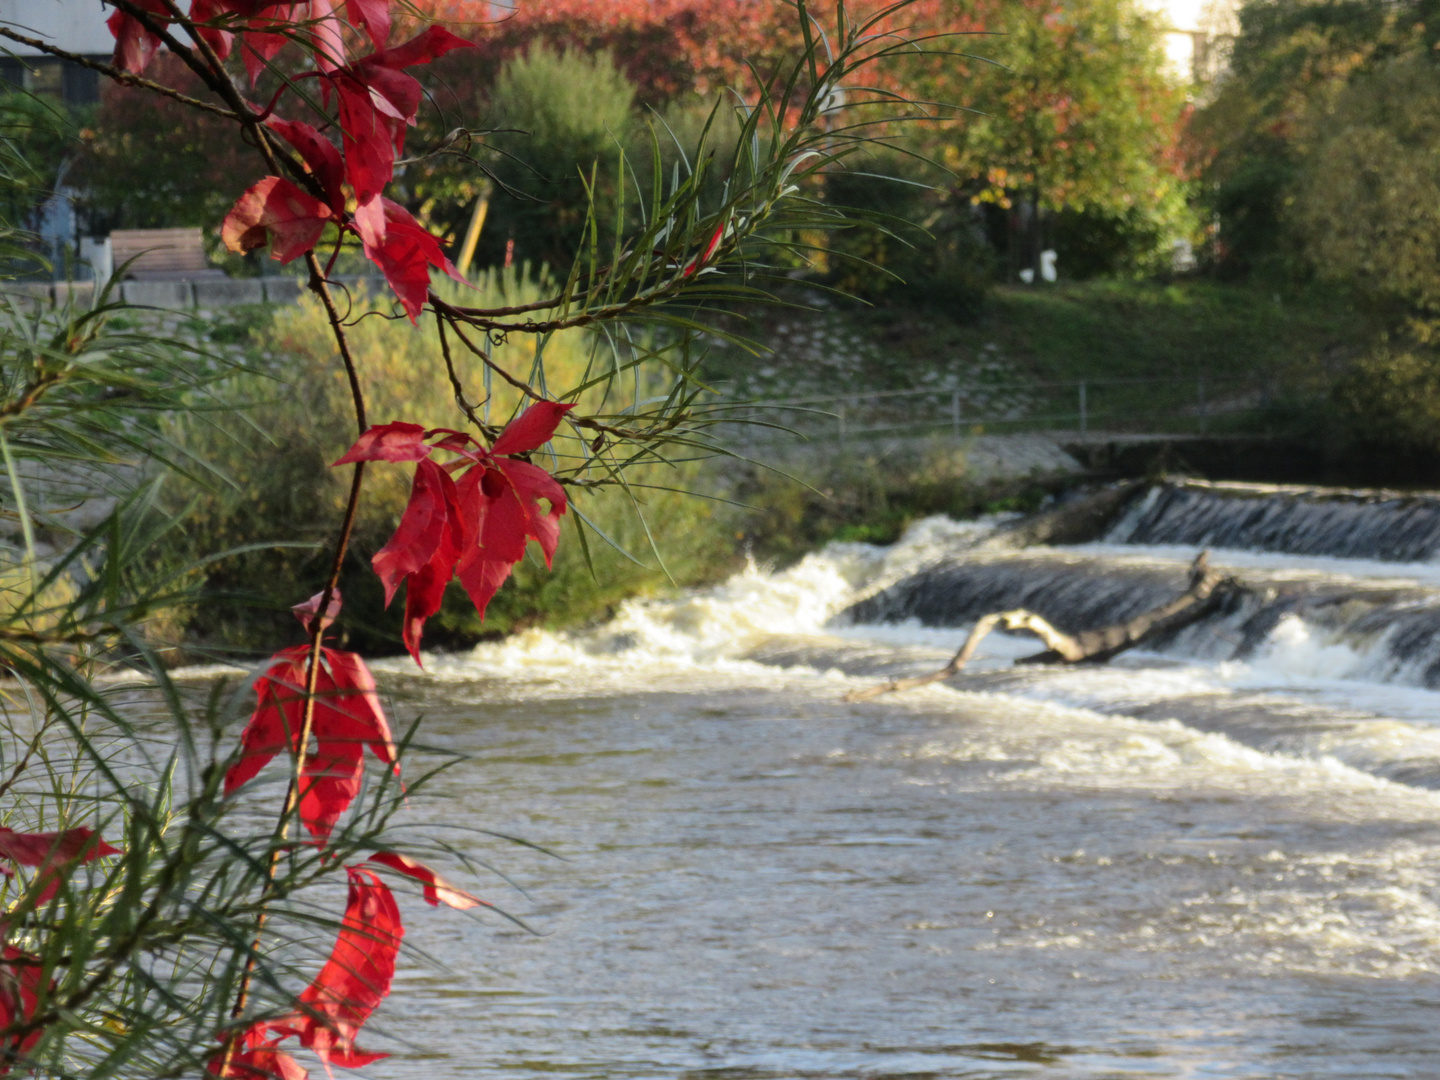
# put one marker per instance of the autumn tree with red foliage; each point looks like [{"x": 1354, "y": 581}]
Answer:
[
  {"x": 161, "y": 948},
  {"x": 668, "y": 48}
]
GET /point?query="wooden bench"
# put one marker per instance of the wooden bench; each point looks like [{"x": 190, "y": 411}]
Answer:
[{"x": 163, "y": 255}]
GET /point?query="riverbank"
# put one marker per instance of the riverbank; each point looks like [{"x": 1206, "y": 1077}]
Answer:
[{"x": 698, "y": 522}]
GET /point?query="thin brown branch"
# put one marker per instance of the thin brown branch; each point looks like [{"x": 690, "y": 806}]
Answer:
[
  {"x": 312, "y": 668},
  {"x": 455, "y": 384},
  {"x": 125, "y": 78}
]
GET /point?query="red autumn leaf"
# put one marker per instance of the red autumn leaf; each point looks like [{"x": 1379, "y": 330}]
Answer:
[
  {"x": 212, "y": 11},
  {"x": 502, "y": 502},
  {"x": 423, "y": 551},
  {"x": 52, "y": 852},
  {"x": 278, "y": 213},
  {"x": 356, "y": 977},
  {"x": 134, "y": 43},
  {"x": 430, "y": 44},
  {"x": 475, "y": 528},
  {"x": 327, "y": 41},
  {"x": 20, "y": 982},
  {"x": 262, "y": 43},
  {"x": 257, "y": 1059},
  {"x": 437, "y": 890},
  {"x": 421, "y": 532},
  {"x": 57, "y": 848},
  {"x": 532, "y": 429},
  {"x": 505, "y": 502},
  {"x": 373, "y": 16},
  {"x": 347, "y": 717},
  {"x": 322, "y": 159},
  {"x": 307, "y": 611},
  {"x": 403, "y": 251},
  {"x": 396, "y": 441},
  {"x": 377, "y": 101},
  {"x": 221, "y": 19}
]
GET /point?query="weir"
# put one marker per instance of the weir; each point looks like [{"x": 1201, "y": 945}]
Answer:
[
  {"x": 1384, "y": 525},
  {"x": 1386, "y": 618}
]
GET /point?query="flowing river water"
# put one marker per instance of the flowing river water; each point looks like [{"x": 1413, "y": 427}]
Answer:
[{"x": 1216, "y": 859}]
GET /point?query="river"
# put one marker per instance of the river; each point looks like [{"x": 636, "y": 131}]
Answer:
[{"x": 1217, "y": 859}]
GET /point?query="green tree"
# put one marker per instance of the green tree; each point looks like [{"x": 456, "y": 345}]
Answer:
[
  {"x": 1291, "y": 61},
  {"x": 1366, "y": 205},
  {"x": 1073, "y": 111}
]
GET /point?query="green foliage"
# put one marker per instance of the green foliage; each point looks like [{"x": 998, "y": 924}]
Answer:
[
  {"x": 918, "y": 242},
  {"x": 133, "y": 946},
  {"x": 1259, "y": 134},
  {"x": 1074, "y": 113},
  {"x": 559, "y": 116},
  {"x": 1391, "y": 397},
  {"x": 34, "y": 137},
  {"x": 283, "y": 498},
  {"x": 1132, "y": 243},
  {"x": 1367, "y": 206},
  {"x": 150, "y": 162}
]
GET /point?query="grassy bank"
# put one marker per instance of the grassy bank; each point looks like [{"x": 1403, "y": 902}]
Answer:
[{"x": 1144, "y": 349}]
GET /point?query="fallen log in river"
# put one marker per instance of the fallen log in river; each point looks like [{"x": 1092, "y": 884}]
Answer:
[{"x": 1207, "y": 590}]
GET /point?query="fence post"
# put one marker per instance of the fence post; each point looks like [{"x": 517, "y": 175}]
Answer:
[
  {"x": 1204, "y": 409},
  {"x": 955, "y": 413},
  {"x": 1084, "y": 418}
]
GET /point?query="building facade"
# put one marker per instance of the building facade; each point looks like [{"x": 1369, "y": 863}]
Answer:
[{"x": 77, "y": 26}]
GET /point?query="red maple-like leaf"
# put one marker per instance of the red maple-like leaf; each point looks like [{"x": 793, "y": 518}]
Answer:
[
  {"x": 347, "y": 718},
  {"x": 395, "y": 441},
  {"x": 278, "y": 213},
  {"x": 395, "y": 242},
  {"x": 373, "y": 16},
  {"x": 322, "y": 159},
  {"x": 257, "y": 1058},
  {"x": 437, "y": 890},
  {"x": 423, "y": 550},
  {"x": 475, "y": 528},
  {"x": 52, "y": 852},
  {"x": 377, "y": 100},
  {"x": 135, "y": 44},
  {"x": 21, "y": 976},
  {"x": 354, "y": 980}
]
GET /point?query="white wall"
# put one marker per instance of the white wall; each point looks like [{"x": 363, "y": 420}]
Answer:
[
  {"x": 1192, "y": 25},
  {"x": 74, "y": 25}
]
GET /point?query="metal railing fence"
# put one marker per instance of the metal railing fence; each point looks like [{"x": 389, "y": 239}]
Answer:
[{"x": 1195, "y": 405}]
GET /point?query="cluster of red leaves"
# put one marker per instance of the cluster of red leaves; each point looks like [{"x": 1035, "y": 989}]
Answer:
[
  {"x": 356, "y": 977},
  {"x": 375, "y": 100},
  {"x": 349, "y": 987},
  {"x": 469, "y": 518}
]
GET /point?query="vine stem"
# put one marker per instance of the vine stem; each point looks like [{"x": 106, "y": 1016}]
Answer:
[
  {"x": 293, "y": 795},
  {"x": 318, "y": 286},
  {"x": 211, "y": 71}
]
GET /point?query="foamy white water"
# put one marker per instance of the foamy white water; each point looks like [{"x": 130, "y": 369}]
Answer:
[{"x": 1216, "y": 860}]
